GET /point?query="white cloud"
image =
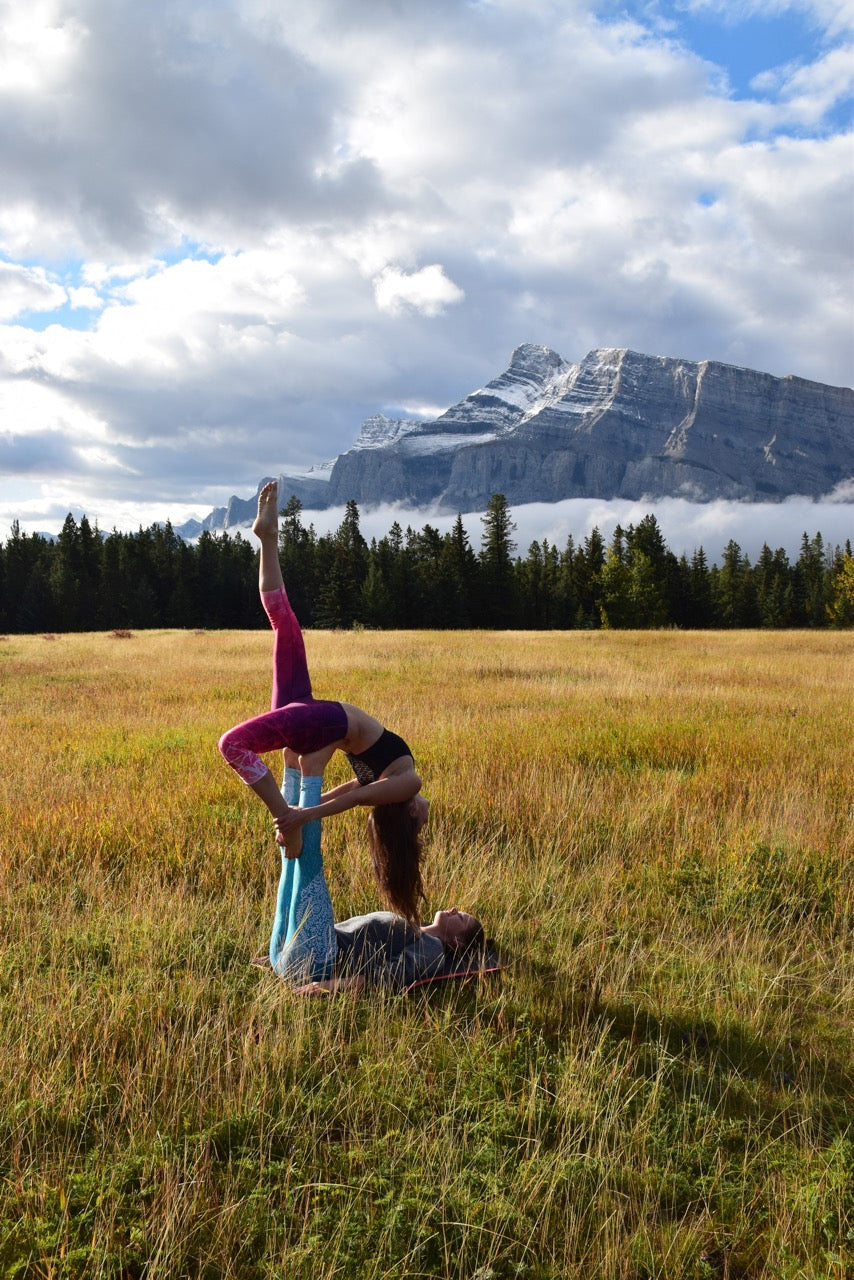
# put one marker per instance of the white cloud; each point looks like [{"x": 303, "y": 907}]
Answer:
[
  {"x": 183, "y": 316},
  {"x": 27, "y": 289},
  {"x": 86, "y": 299},
  {"x": 814, "y": 89},
  {"x": 835, "y": 16},
  {"x": 428, "y": 290},
  {"x": 38, "y": 41},
  {"x": 46, "y": 439},
  {"x": 277, "y": 218}
]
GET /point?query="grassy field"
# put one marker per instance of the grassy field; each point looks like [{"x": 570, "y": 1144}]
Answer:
[{"x": 656, "y": 828}]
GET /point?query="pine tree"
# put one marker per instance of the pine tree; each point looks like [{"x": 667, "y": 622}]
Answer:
[
  {"x": 297, "y": 548},
  {"x": 388, "y": 556},
  {"x": 66, "y": 576},
  {"x": 26, "y": 604},
  {"x": 589, "y": 561},
  {"x": 496, "y": 561},
  {"x": 207, "y": 578},
  {"x": 615, "y": 605},
  {"x": 375, "y": 601},
  {"x": 840, "y": 609},
  {"x": 341, "y": 565},
  {"x": 352, "y": 561},
  {"x": 700, "y": 605},
  {"x": 541, "y": 571},
  {"x": 731, "y": 587},
  {"x": 810, "y": 583},
  {"x": 183, "y": 607},
  {"x": 459, "y": 573},
  {"x": 426, "y": 588},
  {"x": 658, "y": 600},
  {"x": 773, "y": 587},
  {"x": 566, "y": 604},
  {"x": 113, "y": 609},
  {"x": 647, "y": 604}
]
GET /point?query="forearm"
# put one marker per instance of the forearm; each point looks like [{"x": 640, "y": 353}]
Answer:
[
  {"x": 396, "y": 789},
  {"x": 337, "y": 801},
  {"x": 342, "y": 789}
]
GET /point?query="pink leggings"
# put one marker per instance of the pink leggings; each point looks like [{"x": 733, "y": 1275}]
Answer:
[{"x": 296, "y": 719}]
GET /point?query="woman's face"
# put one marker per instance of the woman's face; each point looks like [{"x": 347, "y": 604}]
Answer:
[{"x": 455, "y": 928}]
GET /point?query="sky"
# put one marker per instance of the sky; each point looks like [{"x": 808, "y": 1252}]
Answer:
[{"x": 232, "y": 230}]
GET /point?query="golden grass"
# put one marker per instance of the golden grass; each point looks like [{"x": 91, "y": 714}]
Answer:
[{"x": 657, "y": 828}]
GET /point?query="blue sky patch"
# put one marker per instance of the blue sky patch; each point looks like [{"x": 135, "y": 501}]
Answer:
[
  {"x": 70, "y": 274},
  {"x": 69, "y": 317},
  {"x": 743, "y": 46},
  {"x": 189, "y": 249},
  {"x": 749, "y": 46}
]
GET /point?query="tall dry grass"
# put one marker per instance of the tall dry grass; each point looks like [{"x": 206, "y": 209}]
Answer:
[{"x": 657, "y": 828}]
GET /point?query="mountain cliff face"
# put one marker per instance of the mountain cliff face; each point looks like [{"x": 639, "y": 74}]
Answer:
[{"x": 618, "y": 424}]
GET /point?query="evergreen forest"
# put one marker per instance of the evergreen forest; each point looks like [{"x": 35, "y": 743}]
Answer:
[{"x": 85, "y": 581}]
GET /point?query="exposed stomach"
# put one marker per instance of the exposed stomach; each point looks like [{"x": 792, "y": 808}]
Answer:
[{"x": 363, "y": 730}]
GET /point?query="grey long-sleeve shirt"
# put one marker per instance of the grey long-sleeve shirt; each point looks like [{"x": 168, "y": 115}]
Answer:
[{"x": 386, "y": 950}]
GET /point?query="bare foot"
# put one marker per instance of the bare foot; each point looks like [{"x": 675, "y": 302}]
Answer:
[{"x": 267, "y": 520}]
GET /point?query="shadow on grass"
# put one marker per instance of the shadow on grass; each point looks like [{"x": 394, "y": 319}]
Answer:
[{"x": 772, "y": 1073}]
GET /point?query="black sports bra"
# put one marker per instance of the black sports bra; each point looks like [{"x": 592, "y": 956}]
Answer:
[{"x": 368, "y": 765}]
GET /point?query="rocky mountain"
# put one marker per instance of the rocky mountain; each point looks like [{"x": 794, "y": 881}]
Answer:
[
  {"x": 312, "y": 490},
  {"x": 616, "y": 425}
]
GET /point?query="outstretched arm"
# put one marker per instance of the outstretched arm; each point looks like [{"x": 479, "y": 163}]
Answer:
[
  {"x": 396, "y": 789},
  {"x": 340, "y": 789}
]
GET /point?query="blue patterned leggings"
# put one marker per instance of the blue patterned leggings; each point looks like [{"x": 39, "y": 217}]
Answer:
[{"x": 303, "y": 947}]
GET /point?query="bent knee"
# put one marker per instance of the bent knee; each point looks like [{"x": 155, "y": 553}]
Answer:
[{"x": 245, "y": 763}]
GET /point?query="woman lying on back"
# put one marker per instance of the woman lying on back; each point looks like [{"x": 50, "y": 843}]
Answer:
[{"x": 317, "y": 956}]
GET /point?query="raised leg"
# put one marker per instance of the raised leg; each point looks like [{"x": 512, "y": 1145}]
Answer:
[
  {"x": 243, "y": 745},
  {"x": 266, "y": 530},
  {"x": 291, "y": 681}
]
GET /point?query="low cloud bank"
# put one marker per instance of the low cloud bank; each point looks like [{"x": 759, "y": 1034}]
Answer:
[{"x": 685, "y": 525}]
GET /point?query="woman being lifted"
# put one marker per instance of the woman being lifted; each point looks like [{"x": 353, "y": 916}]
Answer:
[{"x": 311, "y": 730}]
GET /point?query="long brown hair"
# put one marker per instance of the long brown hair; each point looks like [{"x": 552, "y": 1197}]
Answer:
[
  {"x": 396, "y": 856},
  {"x": 474, "y": 943}
]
